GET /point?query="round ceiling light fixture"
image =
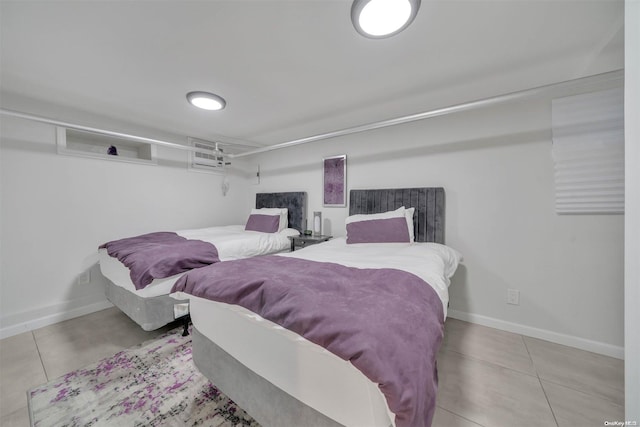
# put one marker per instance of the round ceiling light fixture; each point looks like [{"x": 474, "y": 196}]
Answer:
[
  {"x": 378, "y": 19},
  {"x": 206, "y": 100}
]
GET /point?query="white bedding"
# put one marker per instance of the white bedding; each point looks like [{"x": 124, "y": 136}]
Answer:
[
  {"x": 232, "y": 242},
  {"x": 432, "y": 262},
  {"x": 303, "y": 369}
]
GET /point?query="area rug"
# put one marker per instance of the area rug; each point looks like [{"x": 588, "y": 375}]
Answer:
[{"x": 154, "y": 384}]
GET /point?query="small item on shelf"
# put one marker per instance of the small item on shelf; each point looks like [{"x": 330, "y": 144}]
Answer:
[
  {"x": 112, "y": 151},
  {"x": 317, "y": 223},
  {"x": 308, "y": 232}
]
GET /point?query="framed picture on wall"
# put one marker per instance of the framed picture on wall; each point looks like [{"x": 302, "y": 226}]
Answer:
[{"x": 334, "y": 194}]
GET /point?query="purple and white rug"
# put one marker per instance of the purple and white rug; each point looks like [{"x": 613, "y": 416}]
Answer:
[{"x": 155, "y": 384}]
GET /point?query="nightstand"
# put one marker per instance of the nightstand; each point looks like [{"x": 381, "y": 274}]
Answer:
[{"x": 304, "y": 241}]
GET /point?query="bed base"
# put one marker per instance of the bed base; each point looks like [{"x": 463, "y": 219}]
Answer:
[
  {"x": 150, "y": 313},
  {"x": 266, "y": 403}
]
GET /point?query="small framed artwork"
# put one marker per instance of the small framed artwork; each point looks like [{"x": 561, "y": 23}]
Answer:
[{"x": 334, "y": 194}]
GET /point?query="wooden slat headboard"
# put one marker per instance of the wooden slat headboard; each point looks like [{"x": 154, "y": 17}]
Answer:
[
  {"x": 429, "y": 202},
  {"x": 296, "y": 202}
]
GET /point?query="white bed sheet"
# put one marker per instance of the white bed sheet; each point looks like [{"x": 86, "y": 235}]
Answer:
[
  {"x": 232, "y": 242},
  {"x": 303, "y": 369},
  {"x": 432, "y": 262}
]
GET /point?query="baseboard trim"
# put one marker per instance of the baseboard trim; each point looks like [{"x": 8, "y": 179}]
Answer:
[
  {"x": 543, "y": 334},
  {"x": 40, "y": 322}
]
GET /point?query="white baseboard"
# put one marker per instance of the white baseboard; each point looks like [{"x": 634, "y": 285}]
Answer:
[
  {"x": 40, "y": 321},
  {"x": 543, "y": 334}
]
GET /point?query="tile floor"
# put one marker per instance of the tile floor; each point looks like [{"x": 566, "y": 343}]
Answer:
[{"x": 488, "y": 377}]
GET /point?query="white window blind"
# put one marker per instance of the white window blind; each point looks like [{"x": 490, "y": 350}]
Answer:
[{"x": 588, "y": 151}]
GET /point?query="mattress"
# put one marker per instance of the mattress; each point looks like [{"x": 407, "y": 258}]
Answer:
[
  {"x": 295, "y": 365},
  {"x": 232, "y": 242},
  {"x": 118, "y": 274},
  {"x": 302, "y": 369}
]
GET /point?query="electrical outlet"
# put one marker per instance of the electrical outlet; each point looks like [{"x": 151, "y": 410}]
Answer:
[
  {"x": 513, "y": 297},
  {"x": 84, "y": 278}
]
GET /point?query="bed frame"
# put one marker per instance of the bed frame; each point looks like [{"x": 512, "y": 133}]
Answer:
[
  {"x": 154, "y": 312},
  {"x": 265, "y": 402}
]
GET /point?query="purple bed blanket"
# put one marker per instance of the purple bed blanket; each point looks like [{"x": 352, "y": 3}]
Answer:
[
  {"x": 158, "y": 255},
  {"x": 388, "y": 323}
]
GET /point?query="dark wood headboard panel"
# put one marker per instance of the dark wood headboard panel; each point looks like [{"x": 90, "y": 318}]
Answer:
[
  {"x": 296, "y": 202},
  {"x": 428, "y": 220}
]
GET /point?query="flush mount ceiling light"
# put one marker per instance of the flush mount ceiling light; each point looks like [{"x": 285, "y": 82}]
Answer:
[
  {"x": 378, "y": 19},
  {"x": 206, "y": 100}
]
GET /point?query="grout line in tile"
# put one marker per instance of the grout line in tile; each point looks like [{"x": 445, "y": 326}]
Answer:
[
  {"x": 44, "y": 369},
  {"x": 580, "y": 390},
  {"x": 539, "y": 380},
  {"x": 461, "y": 416},
  {"x": 548, "y": 402},
  {"x": 486, "y": 362},
  {"x": 562, "y": 384}
]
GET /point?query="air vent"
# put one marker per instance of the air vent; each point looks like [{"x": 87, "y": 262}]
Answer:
[{"x": 210, "y": 156}]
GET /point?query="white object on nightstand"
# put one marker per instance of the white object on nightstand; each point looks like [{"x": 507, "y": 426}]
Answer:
[{"x": 317, "y": 223}]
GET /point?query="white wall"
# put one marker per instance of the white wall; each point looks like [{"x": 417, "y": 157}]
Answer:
[
  {"x": 632, "y": 210},
  {"x": 496, "y": 167},
  {"x": 57, "y": 209}
]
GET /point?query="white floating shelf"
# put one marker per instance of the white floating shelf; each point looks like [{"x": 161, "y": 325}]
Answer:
[{"x": 89, "y": 144}]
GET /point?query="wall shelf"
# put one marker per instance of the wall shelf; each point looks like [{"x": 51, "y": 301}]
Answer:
[{"x": 89, "y": 144}]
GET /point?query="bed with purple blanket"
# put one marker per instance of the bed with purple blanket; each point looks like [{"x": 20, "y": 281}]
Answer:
[
  {"x": 141, "y": 270},
  {"x": 339, "y": 333},
  {"x": 160, "y": 255}
]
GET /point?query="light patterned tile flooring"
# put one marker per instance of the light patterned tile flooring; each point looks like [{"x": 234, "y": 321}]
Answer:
[{"x": 488, "y": 378}]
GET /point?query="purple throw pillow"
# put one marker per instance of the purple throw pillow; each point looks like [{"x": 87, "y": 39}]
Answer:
[
  {"x": 390, "y": 230},
  {"x": 263, "y": 223}
]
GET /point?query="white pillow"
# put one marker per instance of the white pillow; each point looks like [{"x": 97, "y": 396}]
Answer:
[
  {"x": 408, "y": 213},
  {"x": 385, "y": 227},
  {"x": 283, "y": 212},
  {"x": 290, "y": 232},
  {"x": 400, "y": 212}
]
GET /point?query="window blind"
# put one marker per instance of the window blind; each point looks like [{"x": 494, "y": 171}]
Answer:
[{"x": 588, "y": 151}]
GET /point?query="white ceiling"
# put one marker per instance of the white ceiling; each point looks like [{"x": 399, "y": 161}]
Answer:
[{"x": 295, "y": 68}]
